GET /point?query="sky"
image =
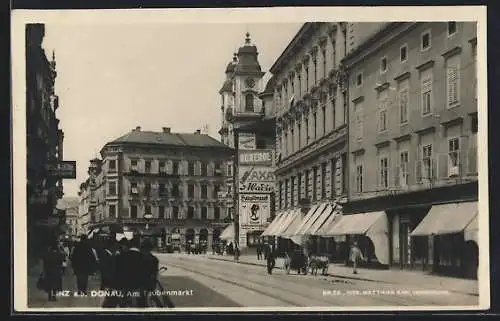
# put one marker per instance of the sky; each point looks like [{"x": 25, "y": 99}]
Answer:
[{"x": 112, "y": 78}]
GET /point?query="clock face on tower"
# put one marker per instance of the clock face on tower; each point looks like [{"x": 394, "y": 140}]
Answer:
[{"x": 250, "y": 82}]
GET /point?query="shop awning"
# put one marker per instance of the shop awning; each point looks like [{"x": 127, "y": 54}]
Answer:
[
  {"x": 354, "y": 224},
  {"x": 322, "y": 217},
  {"x": 286, "y": 223},
  {"x": 471, "y": 231},
  {"x": 446, "y": 219},
  {"x": 272, "y": 225},
  {"x": 307, "y": 220},
  {"x": 228, "y": 233},
  {"x": 278, "y": 224},
  {"x": 294, "y": 224},
  {"x": 328, "y": 223}
]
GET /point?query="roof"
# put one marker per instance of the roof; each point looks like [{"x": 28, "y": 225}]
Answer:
[
  {"x": 168, "y": 139},
  {"x": 230, "y": 67},
  {"x": 271, "y": 83},
  {"x": 227, "y": 86}
]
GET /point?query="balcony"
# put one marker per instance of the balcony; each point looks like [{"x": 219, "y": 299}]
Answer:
[{"x": 162, "y": 174}]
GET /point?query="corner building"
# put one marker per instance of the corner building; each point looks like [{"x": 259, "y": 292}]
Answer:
[
  {"x": 162, "y": 184},
  {"x": 413, "y": 146}
]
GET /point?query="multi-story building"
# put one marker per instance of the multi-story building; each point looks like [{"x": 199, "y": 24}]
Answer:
[
  {"x": 70, "y": 206},
  {"x": 311, "y": 110},
  {"x": 413, "y": 145},
  {"x": 247, "y": 124},
  {"x": 160, "y": 183},
  {"x": 83, "y": 208},
  {"x": 44, "y": 140}
]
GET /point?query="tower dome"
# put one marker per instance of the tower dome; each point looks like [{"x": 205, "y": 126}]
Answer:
[{"x": 247, "y": 58}]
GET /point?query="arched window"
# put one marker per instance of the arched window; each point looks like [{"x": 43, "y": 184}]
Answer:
[{"x": 249, "y": 103}]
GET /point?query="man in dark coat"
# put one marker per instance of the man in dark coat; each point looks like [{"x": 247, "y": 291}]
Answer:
[
  {"x": 84, "y": 264},
  {"x": 52, "y": 270},
  {"x": 270, "y": 262},
  {"x": 150, "y": 272}
]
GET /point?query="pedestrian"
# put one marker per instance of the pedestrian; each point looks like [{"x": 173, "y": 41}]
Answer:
[
  {"x": 356, "y": 256},
  {"x": 270, "y": 262},
  {"x": 84, "y": 264},
  {"x": 107, "y": 264},
  {"x": 150, "y": 272},
  {"x": 130, "y": 273},
  {"x": 236, "y": 252},
  {"x": 259, "y": 252},
  {"x": 51, "y": 277}
]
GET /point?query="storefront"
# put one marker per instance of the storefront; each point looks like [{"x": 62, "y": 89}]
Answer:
[{"x": 451, "y": 233}]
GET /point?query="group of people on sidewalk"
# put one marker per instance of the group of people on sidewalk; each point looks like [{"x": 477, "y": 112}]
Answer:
[{"x": 127, "y": 268}]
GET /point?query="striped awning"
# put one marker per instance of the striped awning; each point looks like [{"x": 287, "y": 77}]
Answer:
[
  {"x": 228, "y": 233},
  {"x": 272, "y": 225},
  {"x": 293, "y": 225},
  {"x": 355, "y": 224},
  {"x": 310, "y": 219},
  {"x": 320, "y": 219},
  {"x": 278, "y": 224},
  {"x": 292, "y": 215},
  {"x": 329, "y": 222}
]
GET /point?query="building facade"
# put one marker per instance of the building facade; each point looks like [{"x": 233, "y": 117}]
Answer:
[
  {"x": 70, "y": 207},
  {"x": 162, "y": 184},
  {"x": 248, "y": 123},
  {"x": 44, "y": 141},
  {"x": 311, "y": 109},
  {"x": 413, "y": 142}
]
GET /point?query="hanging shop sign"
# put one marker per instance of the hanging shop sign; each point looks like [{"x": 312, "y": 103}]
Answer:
[
  {"x": 260, "y": 157},
  {"x": 62, "y": 169}
]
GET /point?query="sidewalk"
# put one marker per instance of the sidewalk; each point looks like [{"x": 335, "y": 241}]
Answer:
[
  {"x": 400, "y": 277},
  {"x": 38, "y": 298}
]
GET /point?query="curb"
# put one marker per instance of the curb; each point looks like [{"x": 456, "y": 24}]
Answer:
[{"x": 339, "y": 276}]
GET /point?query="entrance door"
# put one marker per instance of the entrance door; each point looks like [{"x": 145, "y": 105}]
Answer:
[{"x": 404, "y": 245}]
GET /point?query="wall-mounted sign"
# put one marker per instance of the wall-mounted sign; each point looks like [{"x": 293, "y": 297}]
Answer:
[
  {"x": 255, "y": 209},
  {"x": 62, "y": 169},
  {"x": 263, "y": 157},
  {"x": 256, "y": 179},
  {"x": 246, "y": 141}
]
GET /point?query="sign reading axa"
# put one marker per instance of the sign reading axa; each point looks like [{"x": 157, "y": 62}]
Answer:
[{"x": 256, "y": 179}]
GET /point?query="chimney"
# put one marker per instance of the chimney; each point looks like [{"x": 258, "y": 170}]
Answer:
[
  {"x": 138, "y": 129},
  {"x": 166, "y": 130},
  {"x": 198, "y": 131}
]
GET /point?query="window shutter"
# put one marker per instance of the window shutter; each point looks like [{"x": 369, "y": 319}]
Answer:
[{"x": 452, "y": 84}]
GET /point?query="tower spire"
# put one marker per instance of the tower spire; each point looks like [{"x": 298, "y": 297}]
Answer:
[{"x": 247, "y": 39}]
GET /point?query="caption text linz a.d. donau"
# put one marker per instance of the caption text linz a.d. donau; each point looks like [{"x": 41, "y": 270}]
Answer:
[{"x": 123, "y": 294}]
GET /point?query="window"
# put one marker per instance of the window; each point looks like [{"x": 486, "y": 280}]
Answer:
[
  {"x": 382, "y": 111},
  {"x": 204, "y": 212},
  {"x": 403, "y": 105},
  {"x": 426, "y": 93},
  {"x": 249, "y": 106},
  {"x": 427, "y": 162},
  {"x": 133, "y": 188},
  {"x": 286, "y": 193},
  {"x": 299, "y": 187},
  {"x": 230, "y": 189},
  {"x": 147, "y": 166},
  {"x": 453, "y": 157},
  {"x": 292, "y": 191},
  {"x": 299, "y": 78},
  {"x": 452, "y": 28},
  {"x": 359, "y": 121},
  {"x": 314, "y": 125},
  {"x": 334, "y": 53},
  {"x": 299, "y": 129},
  {"x": 306, "y": 185},
  {"x": 292, "y": 83},
  {"x": 403, "y": 168},
  {"x": 359, "y": 79},
  {"x": 323, "y": 56},
  {"x": 383, "y": 64},
  {"x": 403, "y": 53},
  {"x": 190, "y": 213},
  {"x": 314, "y": 183},
  {"x": 161, "y": 211},
  {"x": 323, "y": 114},
  {"x": 204, "y": 169},
  {"x": 216, "y": 213},
  {"x": 359, "y": 178},
  {"x": 161, "y": 167},
  {"x": 292, "y": 138},
  {"x": 306, "y": 69},
  {"x": 323, "y": 180},
  {"x": 175, "y": 190},
  {"x": 133, "y": 211},
  {"x": 162, "y": 189},
  {"x": 230, "y": 170},
  {"x": 384, "y": 172},
  {"x": 217, "y": 169},
  {"x": 425, "y": 40},
  {"x": 133, "y": 164},
  {"x": 281, "y": 195},
  {"x": 112, "y": 188},
  {"x": 306, "y": 122},
  {"x": 147, "y": 209},
  {"x": 175, "y": 212},
  {"x": 147, "y": 188},
  {"x": 204, "y": 193},
  {"x": 333, "y": 177},
  {"x": 216, "y": 191},
  {"x": 315, "y": 63},
  {"x": 112, "y": 165},
  {"x": 175, "y": 168},
  {"x": 452, "y": 82},
  {"x": 191, "y": 169},
  {"x": 344, "y": 170},
  {"x": 190, "y": 190},
  {"x": 112, "y": 211}
]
